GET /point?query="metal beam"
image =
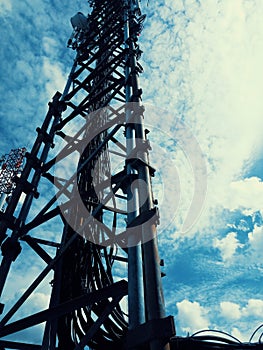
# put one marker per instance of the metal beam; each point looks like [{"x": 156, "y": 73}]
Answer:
[
  {"x": 97, "y": 324},
  {"x": 116, "y": 291},
  {"x": 52, "y": 263}
]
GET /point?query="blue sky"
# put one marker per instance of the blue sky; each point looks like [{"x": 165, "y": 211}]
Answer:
[{"x": 203, "y": 67}]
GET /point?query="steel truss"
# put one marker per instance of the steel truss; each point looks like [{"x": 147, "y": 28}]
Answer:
[
  {"x": 11, "y": 166},
  {"x": 97, "y": 125}
]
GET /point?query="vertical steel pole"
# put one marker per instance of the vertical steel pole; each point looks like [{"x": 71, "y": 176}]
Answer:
[
  {"x": 135, "y": 269},
  {"x": 153, "y": 293}
]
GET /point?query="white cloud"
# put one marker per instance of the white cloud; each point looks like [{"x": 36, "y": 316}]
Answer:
[
  {"x": 253, "y": 308},
  {"x": 246, "y": 193},
  {"x": 210, "y": 76},
  {"x": 5, "y": 6},
  {"x": 227, "y": 245},
  {"x": 233, "y": 311},
  {"x": 38, "y": 301},
  {"x": 54, "y": 76},
  {"x": 230, "y": 310},
  {"x": 239, "y": 334},
  {"x": 192, "y": 316},
  {"x": 49, "y": 45},
  {"x": 256, "y": 239}
]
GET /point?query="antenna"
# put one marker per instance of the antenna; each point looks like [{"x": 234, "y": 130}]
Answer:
[{"x": 11, "y": 166}]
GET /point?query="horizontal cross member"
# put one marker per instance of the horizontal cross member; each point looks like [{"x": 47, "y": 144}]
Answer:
[{"x": 116, "y": 290}]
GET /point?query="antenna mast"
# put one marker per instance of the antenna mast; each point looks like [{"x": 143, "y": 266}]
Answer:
[
  {"x": 104, "y": 207},
  {"x": 11, "y": 166}
]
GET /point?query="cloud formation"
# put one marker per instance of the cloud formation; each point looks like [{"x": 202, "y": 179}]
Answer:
[
  {"x": 230, "y": 310},
  {"x": 256, "y": 239},
  {"x": 192, "y": 316},
  {"x": 227, "y": 245}
]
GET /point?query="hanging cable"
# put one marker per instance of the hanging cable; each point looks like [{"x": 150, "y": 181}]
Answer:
[{"x": 216, "y": 331}]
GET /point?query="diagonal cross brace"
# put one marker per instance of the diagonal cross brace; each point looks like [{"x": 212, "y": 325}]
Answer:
[
  {"x": 96, "y": 325},
  {"x": 116, "y": 291}
]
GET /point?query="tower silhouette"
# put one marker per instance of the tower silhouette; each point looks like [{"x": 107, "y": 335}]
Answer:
[
  {"x": 81, "y": 208},
  {"x": 92, "y": 155}
]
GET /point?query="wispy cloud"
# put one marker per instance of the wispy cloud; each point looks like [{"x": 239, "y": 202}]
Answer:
[{"x": 209, "y": 76}]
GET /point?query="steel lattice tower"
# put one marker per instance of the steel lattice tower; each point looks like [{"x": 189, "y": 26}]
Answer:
[
  {"x": 96, "y": 127},
  {"x": 11, "y": 166}
]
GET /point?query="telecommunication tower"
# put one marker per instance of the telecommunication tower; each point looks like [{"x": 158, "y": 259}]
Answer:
[
  {"x": 11, "y": 166},
  {"x": 105, "y": 208},
  {"x": 89, "y": 168}
]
